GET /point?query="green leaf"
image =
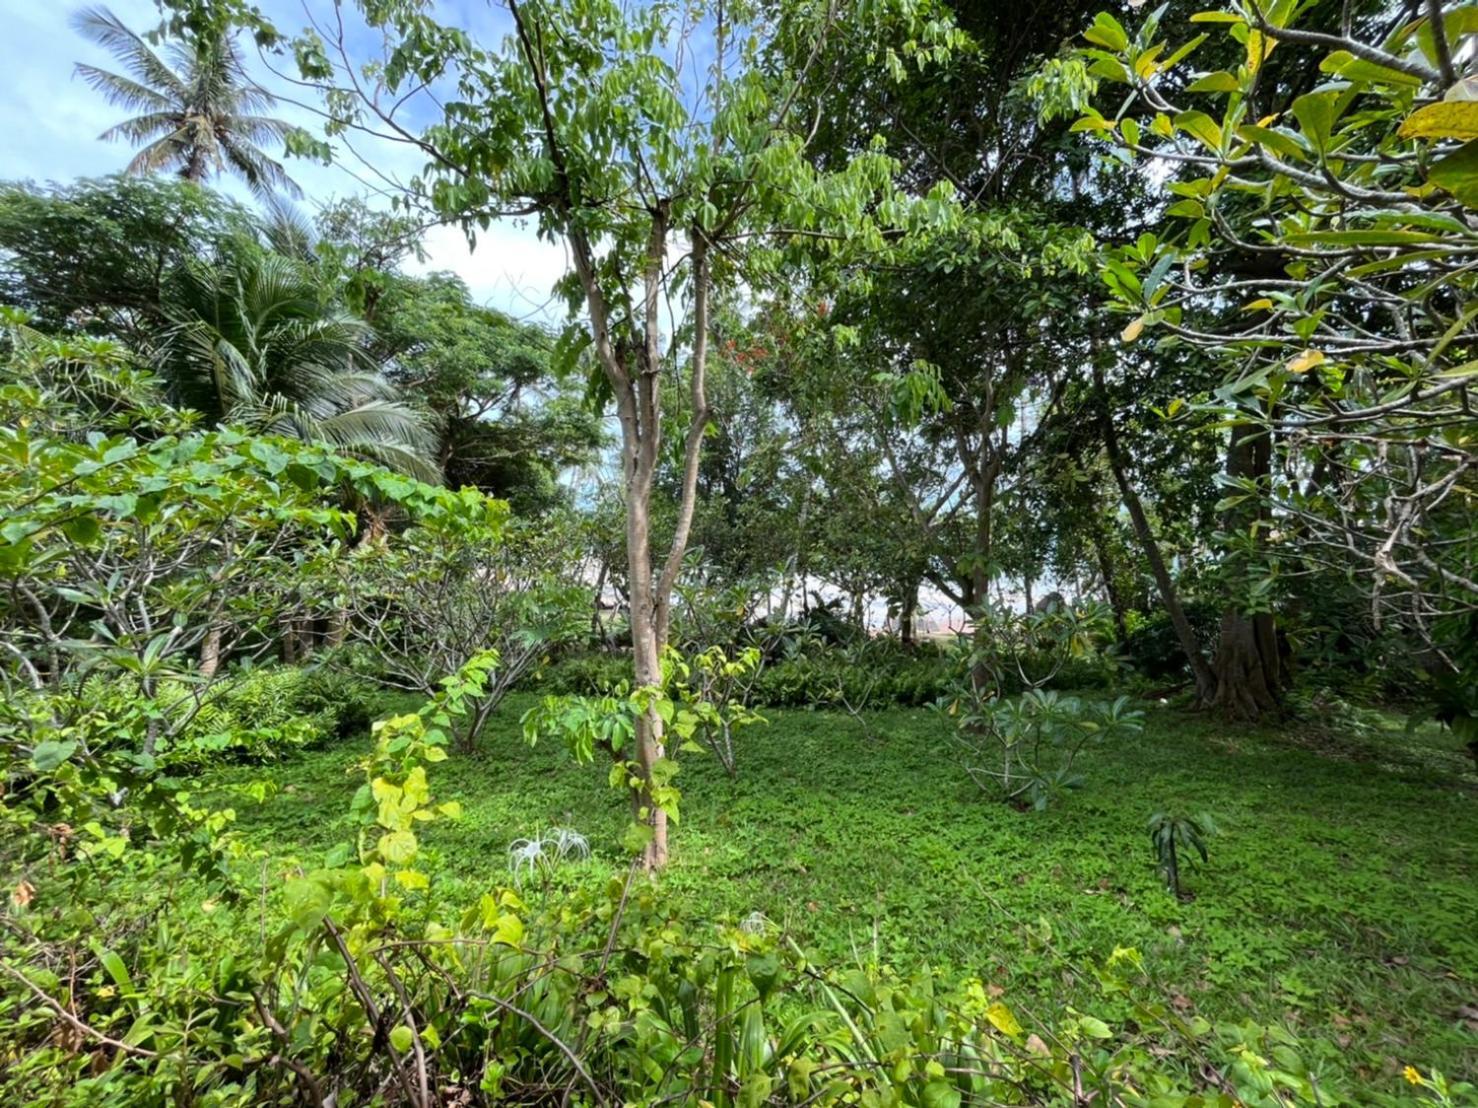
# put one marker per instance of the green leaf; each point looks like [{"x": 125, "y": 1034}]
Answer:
[
  {"x": 939, "y": 1093},
  {"x": 307, "y": 902},
  {"x": 1094, "y": 1028},
  {"x": 1458, "y": 174},
  {"x": 402, "y": 1038},
  {"x": 1202, "y": 126},
  {"x": 84, "y": 530},
  {"x": 1316, "y": 113},
  {"x": 1107, "y": 32},
  {"x": 1344, "y": 64},
  {"x": 116, "y": 970},
  {"x": 397, "y": 847},
  {"x": 1220, "y": 81},
  {"x": 52, "y": 753},
  {"x": 508, "y": 929},
  {"x": 1002, "y": 1019}
]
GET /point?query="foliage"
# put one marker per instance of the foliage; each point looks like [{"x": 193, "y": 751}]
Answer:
[
  {"x": 256, "y": 340},
  {"x": 508, "y": 424},
  {"x": 1025, "y": 748},
  {"x": 1173, "y": 834},
  {"x": 1317, "y": 244},
  {"x": 1151, "y": 645},
  {"x": 1309, "y": 923},
  {"x": 812, "y": 678},
  {"x": 95, "y": 255},
  {"x": 424, "y": 602},
  {"x": 199, "y": 111}
]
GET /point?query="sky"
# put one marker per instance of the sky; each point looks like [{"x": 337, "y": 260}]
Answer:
[{"x": 50, "y": 120}]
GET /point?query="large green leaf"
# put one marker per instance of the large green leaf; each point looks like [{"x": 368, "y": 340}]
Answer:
[{"x": 1458, "y": 173}]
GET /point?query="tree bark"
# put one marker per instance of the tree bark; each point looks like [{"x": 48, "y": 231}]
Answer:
[
  {"x": 210, "y": 652},
  {"x": 1248, "y": 664},
  {"x": 639, "y": 409},
  {"x": 1169, "y": 596},
  {"x": 908, "y": 608},
  {"x": 1106, "y": 571}
]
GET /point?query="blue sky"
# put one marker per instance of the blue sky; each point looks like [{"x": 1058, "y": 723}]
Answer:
[{"x": 50, "y": 120}]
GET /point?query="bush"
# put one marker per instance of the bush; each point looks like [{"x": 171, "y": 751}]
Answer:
[
  {"x": 1153, "y": 649},
  {"x": 873, "y": 678}
]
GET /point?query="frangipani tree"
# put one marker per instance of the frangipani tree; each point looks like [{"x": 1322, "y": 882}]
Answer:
[
  {"x": 660, "y": 144},
  {"x": 1320, "y": 241}
]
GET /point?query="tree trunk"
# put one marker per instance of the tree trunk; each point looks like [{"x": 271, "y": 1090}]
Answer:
[
  {"x": 1184, "y": 633},
  {"x": 646, "y": 647},
  {"x": 1026, "y": 588},
  {"x": 1106, "y": 571},
  {"x": 907, "y": 613},
  {"x": 1248, "y": 664},
  {"x": 634, "y": 371},
  {"x": 210, "y": 653},
  {"x": 980, "y": 675}
]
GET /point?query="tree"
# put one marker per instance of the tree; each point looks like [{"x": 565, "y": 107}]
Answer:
[
  {"x": 584, "y": 121},
  {"x": 199, "y": 116},
  {"x": 507, "y": 423},
  {"x": 1319, "y": 248},
  {"x": 456, "y": 587},
  {"x": 256, "y": 340},
  {"x": 95, "y": 255}
]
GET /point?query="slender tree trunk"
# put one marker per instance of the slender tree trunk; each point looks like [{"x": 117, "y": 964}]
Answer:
[
  {"x": 907, "y": 613},
  {"x": 210, "y": 653},
  {"x": 1169, "y": 596},
  {"x": 1248, "y": 664},
  {"x": 1106, "y": 571},
  {"x": 635, "y": 375},
  {"x": 1026, "y": 588}
]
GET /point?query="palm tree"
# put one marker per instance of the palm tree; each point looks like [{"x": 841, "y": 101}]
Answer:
[
  {"x": 254, "y": 340},
  {"x": 199, "y": 116}
]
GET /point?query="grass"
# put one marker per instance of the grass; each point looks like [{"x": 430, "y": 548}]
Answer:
[{"x": 1341, "y": 897}]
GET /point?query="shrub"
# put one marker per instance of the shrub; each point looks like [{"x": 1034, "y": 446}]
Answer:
[{"x": 1153, "y": 649}]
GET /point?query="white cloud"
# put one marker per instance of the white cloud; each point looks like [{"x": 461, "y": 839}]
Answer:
[{"x": 510, "y": 268}]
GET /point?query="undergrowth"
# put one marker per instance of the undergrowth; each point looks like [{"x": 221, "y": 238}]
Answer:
[{"x": 1339, "y": 899}]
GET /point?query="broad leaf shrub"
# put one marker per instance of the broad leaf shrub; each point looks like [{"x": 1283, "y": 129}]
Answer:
[{"x": 124, "y": 982}]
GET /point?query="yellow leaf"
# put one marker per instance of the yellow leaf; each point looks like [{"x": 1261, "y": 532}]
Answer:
[
  {"x": 1131, "y": 332},
  {"x": 508, "y": 929},
  {"x": 1449, "y": 119},
  {"x": 397, "y": 847},
  {"x": 1259, "y": 46},
  {"x": 1306, "y": 361},
  {"x": 1261, "y": 304},
  {"x": 1001, "y": 1018},
  {"x": 412, "y": 879}
]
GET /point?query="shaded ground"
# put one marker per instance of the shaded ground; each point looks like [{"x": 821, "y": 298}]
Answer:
[{"x": 1341, "y": 896}]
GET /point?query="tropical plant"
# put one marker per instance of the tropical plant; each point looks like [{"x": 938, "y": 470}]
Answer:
[
  {"x": 539, "y": 854},
  {"x": 199, "y": 115},
  {"x": 1171, "y": 834},
  {"x": 666, "y": 185},
  {"x": 1025, "y": 748},
  {"x": 1318, "y": 246},
  {"x": 456, "y": 587},
  {"x": 255, "y": 339}
]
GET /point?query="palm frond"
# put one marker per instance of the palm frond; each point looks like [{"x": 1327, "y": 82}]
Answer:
[
  {"x": 287, "y": 230},
  {"x": 260, "y": 172},
  {"x": 123, "y": 91},
  {"x": 109, "y": 32},
  {"x": 144, "y": 127},
  {"x": 256, "y": 341},
  {"x": 165, "y": 153}
]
